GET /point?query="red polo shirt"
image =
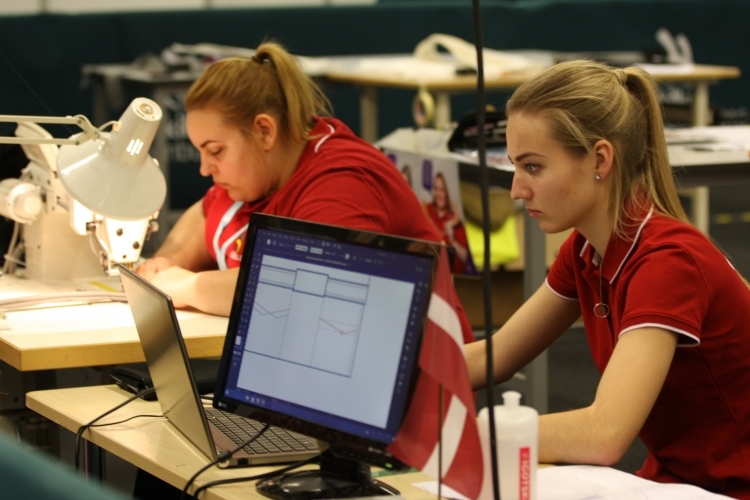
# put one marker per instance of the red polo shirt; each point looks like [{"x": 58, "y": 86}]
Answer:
[
  {"x": 669, "y": 275},
  {"x": 340, "y": 179}
]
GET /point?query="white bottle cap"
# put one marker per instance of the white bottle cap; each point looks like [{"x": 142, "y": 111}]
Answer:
[
  {"x": 511, "y": 399},
  {"x": 513, "y": 420}
]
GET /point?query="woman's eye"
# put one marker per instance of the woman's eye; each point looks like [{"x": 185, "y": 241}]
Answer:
[
  {"x": 216, "y": 152},
  {"x": 531, "y": 167}
]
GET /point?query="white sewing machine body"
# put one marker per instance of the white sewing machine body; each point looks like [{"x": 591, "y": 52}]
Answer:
[{"x": 63, "y": 239}]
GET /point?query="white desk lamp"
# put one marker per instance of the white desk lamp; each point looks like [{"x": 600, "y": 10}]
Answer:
[{"x": 99, "y": 191}]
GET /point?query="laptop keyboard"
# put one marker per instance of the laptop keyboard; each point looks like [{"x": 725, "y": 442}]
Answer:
[{"x": 274, "y": 440}]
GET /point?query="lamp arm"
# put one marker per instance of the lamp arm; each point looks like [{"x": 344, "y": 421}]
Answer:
[{"x": 89, "y": 131}]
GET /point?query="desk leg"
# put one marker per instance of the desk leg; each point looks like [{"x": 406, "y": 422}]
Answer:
[
  {"x": 24, "y": 424},
  {"x": 93, "y": 457},
  {"x": 699, "y": 209},
  {"x": 699, "y": 195},
  {"x": 442, "y": 110},
  {"x": 534, "y": 274},
  {"x": 701, "y": 109},
  {"x": 368, "y": 114}
]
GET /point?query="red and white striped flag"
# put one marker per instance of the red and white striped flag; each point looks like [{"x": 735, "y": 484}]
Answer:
[{"x": 443, "y": 363}]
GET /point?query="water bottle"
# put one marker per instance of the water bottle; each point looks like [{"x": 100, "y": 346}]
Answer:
[{"x": 516, "y": 432}]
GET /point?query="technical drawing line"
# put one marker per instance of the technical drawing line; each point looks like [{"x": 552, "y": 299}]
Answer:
[
  {"x": 275, "y": 283},
  {"x": 277, "y": 269},
  {"x": 354, "y": 328},
  {"x": 342, "y": 297},
  {"x": 362, "y": 286},
  {"x": 346, "y": 290},
  {"x": 263, "y": 311},
  {"x": 334, "y": 372},
  {"x": 316, "y": 317}
]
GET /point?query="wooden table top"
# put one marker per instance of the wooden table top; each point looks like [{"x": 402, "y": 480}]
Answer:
[
  {"x": 664, "y": 73},
  {"x": 154, "y": 445},
  {"x": 69, "y": 335}
]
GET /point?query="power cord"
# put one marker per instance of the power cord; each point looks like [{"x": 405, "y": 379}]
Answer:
[
  {"x": 28, "y": 86},
  {"x": 265, "y": 475},
  {"x": 126, "y": 420},
  {"x": 221, "y": 458},
  {"x": 82, "y": 429}
]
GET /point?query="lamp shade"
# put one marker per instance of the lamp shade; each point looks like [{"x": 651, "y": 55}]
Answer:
[{"x": 114, "y": 176}]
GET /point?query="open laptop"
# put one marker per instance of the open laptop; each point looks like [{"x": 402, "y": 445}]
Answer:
[{"x": 210, "y": 430}]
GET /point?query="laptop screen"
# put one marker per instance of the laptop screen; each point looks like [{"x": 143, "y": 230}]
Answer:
[{"x": 325, "y": 328}]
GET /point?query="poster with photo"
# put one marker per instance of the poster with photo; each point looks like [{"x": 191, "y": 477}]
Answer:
[{"x": 436, "y": 183}]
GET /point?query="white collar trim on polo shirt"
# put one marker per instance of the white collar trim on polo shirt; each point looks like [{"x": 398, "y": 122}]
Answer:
[
  {"x": 596, "y": 259},
  {"x": 324, "y": 138},
  {"x": 583, "y": 250},
  {"x": 635, "y": 240}
]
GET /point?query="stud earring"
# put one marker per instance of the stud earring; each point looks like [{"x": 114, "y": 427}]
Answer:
[{"x": 598, "y": 177}]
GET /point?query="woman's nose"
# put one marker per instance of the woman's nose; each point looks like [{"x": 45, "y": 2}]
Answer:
[
  {"x": 519, "y": 190},
  {"x": 206, "y": 168}
]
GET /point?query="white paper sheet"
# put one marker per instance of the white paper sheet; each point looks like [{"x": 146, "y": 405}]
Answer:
[{"x": 583, "y": 482}]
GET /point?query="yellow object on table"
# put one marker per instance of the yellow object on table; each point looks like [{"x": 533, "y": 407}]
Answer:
[{"x": 503, "y": 243}]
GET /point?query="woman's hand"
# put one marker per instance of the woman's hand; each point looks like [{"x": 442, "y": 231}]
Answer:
[
  {"x": 178, "y": 283},
  {"x": 207, "y": 291},
  {"x": 185, "y": 246},
  {"x": 149, "y": 268}
]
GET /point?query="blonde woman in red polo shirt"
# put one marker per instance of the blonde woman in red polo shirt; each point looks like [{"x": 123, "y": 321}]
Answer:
[
  {"x": 259, "y": 125},
  {"x": 666, "y": 315}
]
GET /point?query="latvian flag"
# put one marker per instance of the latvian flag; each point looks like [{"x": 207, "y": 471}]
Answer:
[{"x": 442, "y": 363}]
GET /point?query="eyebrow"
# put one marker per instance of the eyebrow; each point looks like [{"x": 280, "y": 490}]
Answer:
[
  {"x": 524, "y": 155},
  {"x": 206, "y": 143}
]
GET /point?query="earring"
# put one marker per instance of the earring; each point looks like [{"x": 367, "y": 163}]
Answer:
[{"x": 597, "y": 177}]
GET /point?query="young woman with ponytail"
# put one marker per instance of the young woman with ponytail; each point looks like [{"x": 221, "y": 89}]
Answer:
[
  {"x": 262, "y": 131},
  {"x": 666, "y": 315}
]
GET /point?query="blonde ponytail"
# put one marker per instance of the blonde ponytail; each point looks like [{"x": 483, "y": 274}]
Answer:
[
  {"x": 586, "y": 101},
  {"x": 270, "y": 82}
]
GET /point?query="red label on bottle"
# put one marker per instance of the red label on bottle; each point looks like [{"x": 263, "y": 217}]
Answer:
[{"x": 524, "y": 473}]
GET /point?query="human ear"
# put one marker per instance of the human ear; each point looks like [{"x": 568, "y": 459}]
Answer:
[
  {"x": 604, "y": 154},
  {"x": 266, "y": 129}
]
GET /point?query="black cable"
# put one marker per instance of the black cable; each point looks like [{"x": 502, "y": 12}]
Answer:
[
  {"x": 20, "y": 77},
  {"x": 486, "y": 271},
  {"x": 83, "y": 428},
  {"x": 30, "y": 89},
  {"x": 265, "y": 475},
  {"x": 222, "y": 457},
  {"x": 126, "y": 420}
]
